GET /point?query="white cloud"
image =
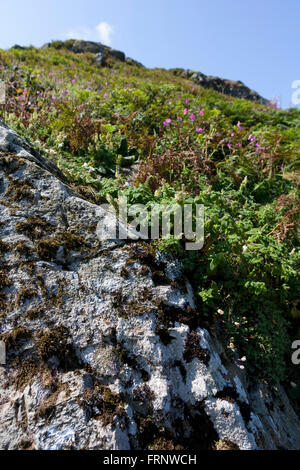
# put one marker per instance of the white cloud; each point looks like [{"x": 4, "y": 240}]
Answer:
[
  {"x": 103, "y": 32},
  {"x": 81, "y": 33}
]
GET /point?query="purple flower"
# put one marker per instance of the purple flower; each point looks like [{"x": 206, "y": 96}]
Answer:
[
  {"x": 187, "y": 101},
  {"x": 202, "y": 112},
  {"x": 192, "y": 117},
  {"x": 179, "y": 118},
  {"x": 199, "y": 130},
  {"x": 185, "y": 111}
]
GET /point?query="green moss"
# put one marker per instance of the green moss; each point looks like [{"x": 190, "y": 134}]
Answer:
[
  {"x": 147, "y": 431},
  {"x": 3, "y": 247},
  {"x": 25, "y": 372},
  {"x": 4, "y": 278},
  {"x": 226, "y": 444},
  {"x": 34, "y": 227},
  {"x": 100, "y": 403},
  {"x": 144, "y": 271},
  {"x": 13, "y": 338},
  {"x": 26, "y": 444},
  {"x": 162, "y": 443},
  {"x": 126, "y": 358},
  {"x": 34, "y": 313},
  {"x": 22, "y": 248},
  {"x": 26, "y": 293},
  {"x": 124, "y": 273},
  {"x": 164, "y": 335},
  {"x": 46, "y": 410},
  {"x": 19, "y": 190},
  {"x": 47, "y": 247},
  {"x": 193, "y": 349},
  {"x": 56, "y": 343}
]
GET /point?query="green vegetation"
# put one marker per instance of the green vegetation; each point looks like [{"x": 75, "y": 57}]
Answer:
[{"x": 238, "y": 158}]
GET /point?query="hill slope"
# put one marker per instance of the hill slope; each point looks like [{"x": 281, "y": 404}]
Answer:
[{"x": 113, "y": 126}]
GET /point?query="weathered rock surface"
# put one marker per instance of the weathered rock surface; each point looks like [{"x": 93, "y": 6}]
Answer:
[
  {"x": 236, "y": 89},
  {"x": 104, "y": 350},
  {"x": 101, "y": 51}
]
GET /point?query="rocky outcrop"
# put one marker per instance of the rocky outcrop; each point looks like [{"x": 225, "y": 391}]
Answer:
[
  {"x": 102, "y": 52},
  {"x": 105, "y": 347},
  {"x": 236, "y": 89}
]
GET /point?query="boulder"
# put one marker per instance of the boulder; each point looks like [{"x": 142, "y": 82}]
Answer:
[
  {"x": 104, "y": 346},
  {"x": 117, "y": 55},
  {"x": 100, "y": 58},
  {"x": 236, "y": 89},
  {"x": 130, "y": 61},
  {"x": 87, "y": 46}
]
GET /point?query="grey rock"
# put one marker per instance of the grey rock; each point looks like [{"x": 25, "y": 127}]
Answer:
[
  {"x": 130, "y": 61},
  {"x": 100, "y": 58},
  {"x": 97, "y": 349},
  {"x": 236, "y": 89},
  {"x": 117, "y": 54},
  {"x": 18, "y": 47},
  {"x": 87, "y": 46}
]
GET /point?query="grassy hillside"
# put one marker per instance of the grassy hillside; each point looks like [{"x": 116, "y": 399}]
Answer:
[{"x": 238, "y": 158}]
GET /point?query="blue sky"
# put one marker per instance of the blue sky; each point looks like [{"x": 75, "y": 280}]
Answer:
[{"x": 256, "y": 41}]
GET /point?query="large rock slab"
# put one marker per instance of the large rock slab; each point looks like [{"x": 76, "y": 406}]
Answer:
[
  {"x": 105, "y": 349},
  {"x": 234, "y": 88}
]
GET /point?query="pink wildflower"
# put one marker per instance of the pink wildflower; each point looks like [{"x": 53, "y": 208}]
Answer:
[
  {"x": 192, "y": 117},
  {"x": 199, "y": 130}
]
